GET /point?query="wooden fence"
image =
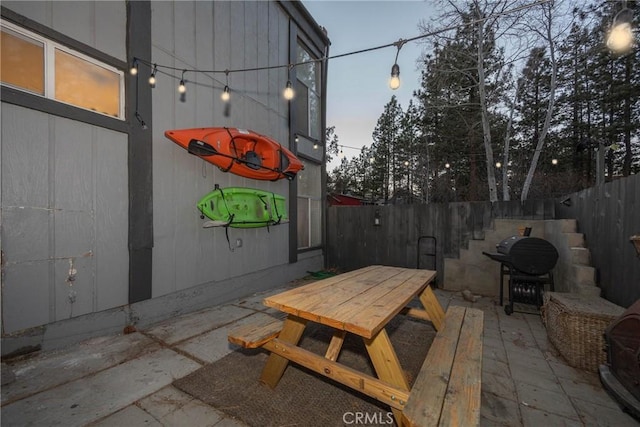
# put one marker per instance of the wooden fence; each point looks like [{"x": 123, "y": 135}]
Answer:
[{"x": 607, "y": 215}]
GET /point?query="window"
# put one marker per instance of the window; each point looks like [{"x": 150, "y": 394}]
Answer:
[
  {"x": 308, "y": 94},
  {"x": 309, "y": 206},
  {"x": 22, "y": 62},
  {"x": 40, "y": 66}
]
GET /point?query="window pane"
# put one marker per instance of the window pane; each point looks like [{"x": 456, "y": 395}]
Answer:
[
  {"x": 303, "y": 222},
  {"x": 302, "y": 109},
  {"x": 314, "y": 116},
  {"x": 309, "y": 205},
  {"x": 315, "y": 219},
  {"x": 87, "y": 85},
  {"x": 308, "y": 73},
  {"x": 22, "y": 63}
]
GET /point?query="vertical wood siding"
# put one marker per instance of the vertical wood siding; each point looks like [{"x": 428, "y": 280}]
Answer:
[
  {"x": 608, "y": 215},
  {"x": 213, "y": 35},
  {"x": 64, "y": 218}
]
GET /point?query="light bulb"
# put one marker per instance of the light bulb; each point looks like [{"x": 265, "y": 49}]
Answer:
[
  {"x": 498, "y": 164},
  {"x": 182, "y": 88},
  {"x": 152, "y": 77},
  {"x": 288, "y": 91},
  {"x": 554, "y": 162},
  {"x": 341, "y": 155},
  {"x": 394, "y": 81},
  {"x": 620, "y": 37},
  {"x": 134, "y": 69},
  {"x": 447, "y": 165},
  {"x": 315, "y": 146},
  {"x": 226, "y": 95}
]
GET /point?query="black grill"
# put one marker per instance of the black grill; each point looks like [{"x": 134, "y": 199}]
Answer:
[{"x": 528, "y": 262}]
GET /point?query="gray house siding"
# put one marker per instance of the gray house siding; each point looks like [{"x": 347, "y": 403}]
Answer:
[
  {"x": 213, "y": 35},
  {"x": 77, "y": 187},
  {"x": 63, "y": 209}
]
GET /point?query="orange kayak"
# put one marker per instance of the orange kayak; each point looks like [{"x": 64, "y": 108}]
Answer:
[{"x": 242, "y": 152}]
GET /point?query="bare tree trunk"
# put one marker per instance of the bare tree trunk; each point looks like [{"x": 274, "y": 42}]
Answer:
[
  {"x": 550, "y": 107},
  {"x": 486, "y": 128},
  {"x": 505, "y": 158}
]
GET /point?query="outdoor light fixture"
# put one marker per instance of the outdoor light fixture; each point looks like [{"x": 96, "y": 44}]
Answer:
[
  {"x": 152, "y": 77},
  {"x": 498, "y": 165},
  {"x": 554, "y": 162},
  {"x": 315, "y": 146},
  {"x": 341, "y": 154},
  {"x": 394, "y": 81},
  {"x": 134, "y": 68},
  {"x": 447, "y": 165},
  {"x": 620, "y": 37},
  {"x": 288, "y": 91},
  {"x": 225, "y": 94},
  {"x": 297, "y": 139},
  {"x": 376, "y": 218}
]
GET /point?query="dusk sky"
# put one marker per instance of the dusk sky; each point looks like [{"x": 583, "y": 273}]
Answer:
[{"x": 358, "y": 86}]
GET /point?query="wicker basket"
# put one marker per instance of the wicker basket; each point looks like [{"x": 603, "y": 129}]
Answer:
[{"x": 575, "y": 326}]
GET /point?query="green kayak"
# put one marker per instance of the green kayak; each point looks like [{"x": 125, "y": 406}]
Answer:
[{"x": 242, "y": 208}]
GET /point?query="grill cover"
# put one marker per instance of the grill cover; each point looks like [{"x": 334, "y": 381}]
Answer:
[
  {"x": 623, "y": 339},
  {"x": 530, "y": 255}
]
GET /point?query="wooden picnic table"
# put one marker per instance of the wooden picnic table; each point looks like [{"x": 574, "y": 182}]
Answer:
[{"x": 361, "y": 302}]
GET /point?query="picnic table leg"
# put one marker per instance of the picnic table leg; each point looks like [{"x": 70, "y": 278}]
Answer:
[
  {"x": 432, "y": 307},
  {"x": 385, "y": 361},
  {"x": 274, "y": 368}
]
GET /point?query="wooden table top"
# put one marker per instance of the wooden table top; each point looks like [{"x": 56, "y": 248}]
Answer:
[{"x": 360, "y": 301}]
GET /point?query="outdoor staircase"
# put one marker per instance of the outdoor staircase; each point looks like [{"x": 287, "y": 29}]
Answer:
[{"x": 481, "y": 275}]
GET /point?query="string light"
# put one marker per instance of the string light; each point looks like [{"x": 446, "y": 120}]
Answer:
[
  {"x": 394, "y": 81},
  {"x": 498, "y": 165},
  {"x": 620, "y": 37},
  {"x": 554, "y": 162},
  {"x": 225, "y": 94},
  {"x": 134, "y": 68},
  {"x": 288, "y": 92},
  {"x": 152, "y": 77},
  {"x": 182, "y": 88}
]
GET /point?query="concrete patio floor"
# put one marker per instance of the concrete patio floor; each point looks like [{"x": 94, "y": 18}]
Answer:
[{"x": 126, "y": 380}]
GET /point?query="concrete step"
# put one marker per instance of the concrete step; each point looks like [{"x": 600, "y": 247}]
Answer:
[
  {"x": 586, "y": 290},
  {"x": 575, "y": 240},
  {"x": 580, "y": 256},
  {"x": 481, "y": 278},
  {"x": 584, "y": 275},
  {"x": 509, "y": 227}
]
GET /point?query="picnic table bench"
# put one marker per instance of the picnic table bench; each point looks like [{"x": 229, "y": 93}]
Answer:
[{"x": 447, "y": 389}]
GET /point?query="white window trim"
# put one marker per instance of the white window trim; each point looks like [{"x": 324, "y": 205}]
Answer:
[{"x": 50, "y": 47}]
